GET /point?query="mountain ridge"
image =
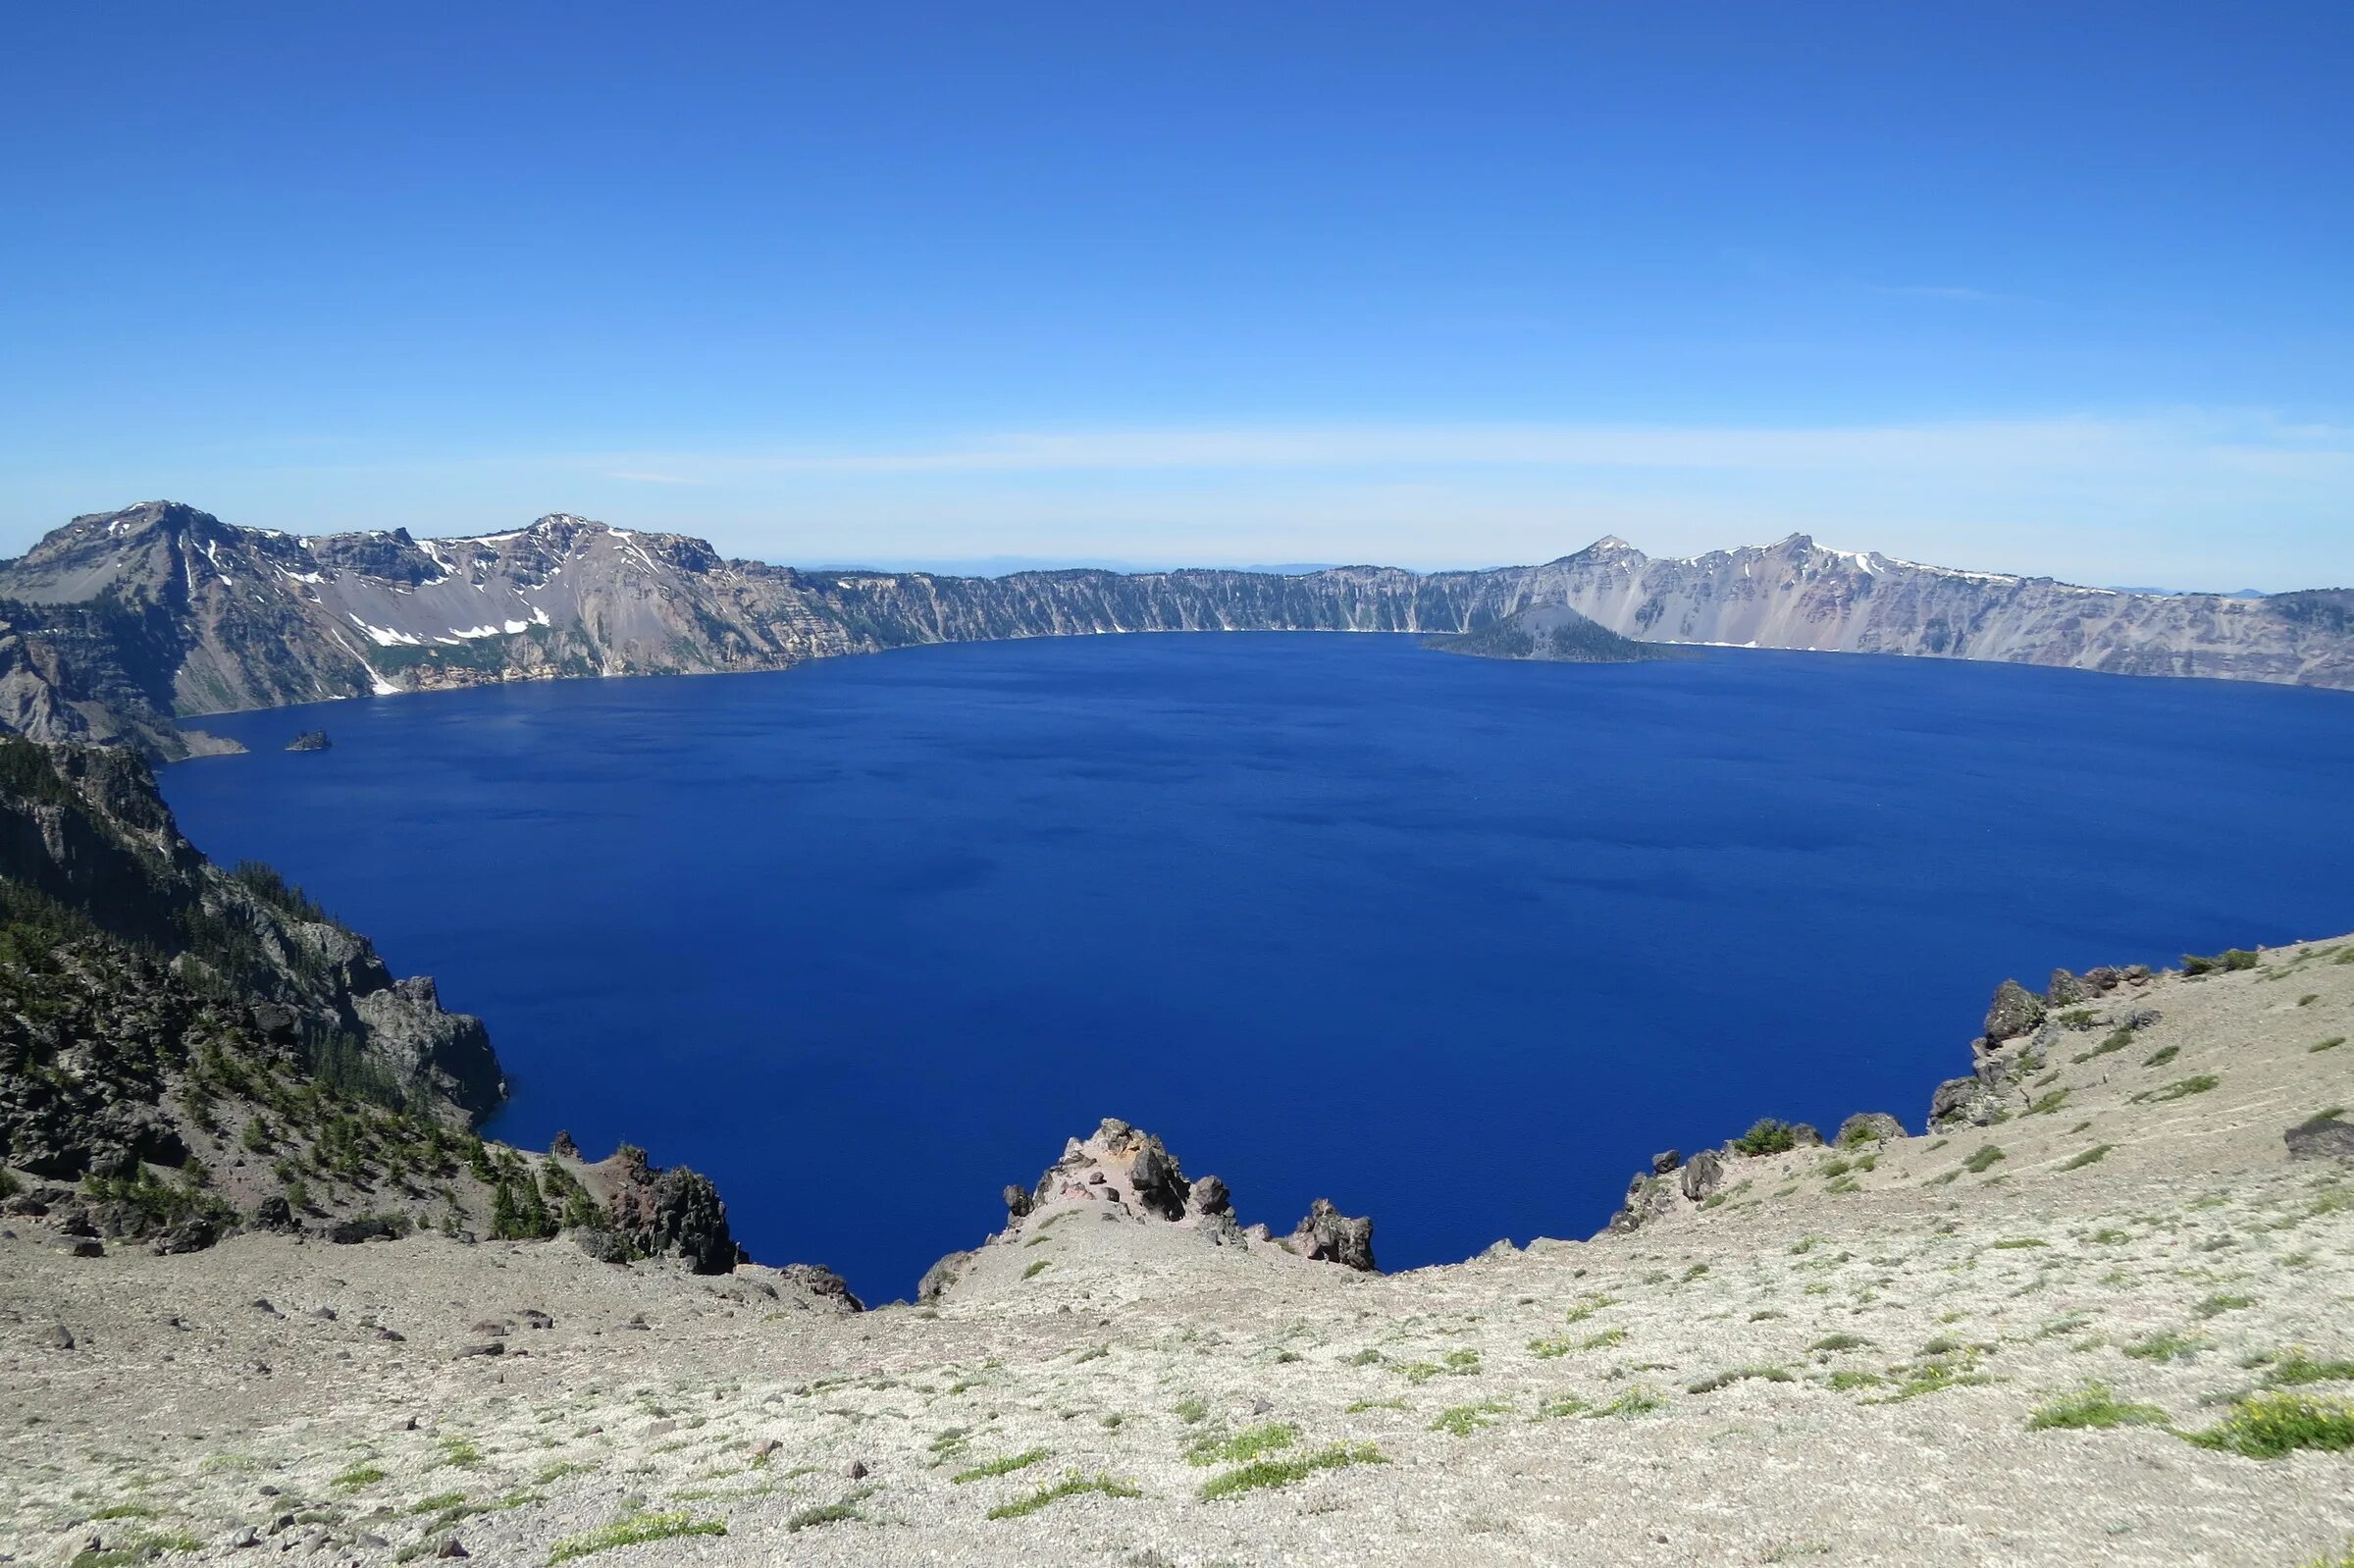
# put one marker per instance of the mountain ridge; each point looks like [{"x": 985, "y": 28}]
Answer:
[{"x": 120, "y": 624}]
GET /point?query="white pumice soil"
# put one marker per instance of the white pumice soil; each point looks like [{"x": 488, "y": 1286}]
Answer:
[{"x": 1840, "y": 1362}]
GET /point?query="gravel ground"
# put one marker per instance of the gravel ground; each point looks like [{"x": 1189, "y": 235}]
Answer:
[{"x": 1840, "y": 1361}]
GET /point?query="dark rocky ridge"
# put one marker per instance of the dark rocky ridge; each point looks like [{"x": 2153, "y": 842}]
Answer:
[
  {"x": 119, "y": 623},
  {"x": 187, "y": 1051}
]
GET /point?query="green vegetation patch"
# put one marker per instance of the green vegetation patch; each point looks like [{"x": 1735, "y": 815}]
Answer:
[
  {"x": 1461, "y": 1421},
  {"x": 2297, "y": 1368},
  {"x": 1768, "y": 1135},
  {"x": 1984, "y": 1160},
  {"x": 2166, "y": 1345},
  {"x": 2180, "y": 1089},
  {"x": 2331, "y": 1044},
  {"x": 1070, "y": 1485},
  {"x": 633, "y": 1530},
  {"x": 1246, "y": 1445},
  {"x": 2266, "y": 1426},
  {"x": 2093, "y": 1408},
  {"x": 1272, "y": 1473},
  {"x": 998, "y": 1467},
  {"x": 2092, "y": 1156}
]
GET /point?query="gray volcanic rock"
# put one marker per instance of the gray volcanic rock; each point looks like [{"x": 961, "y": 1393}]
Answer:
[
  {"x": 672, "y": 1213},
  {"x": 310, "y": 741},
  {"x": 2321, "y": 1137},
  {"x": 1703, "y": 1175},
  {"x": 2015, "y": 1010},
  {"x": 1963, "y": 1101},
  {"x": 1873, "y": 1125},
  {"x": 119, "y": 622},
  {"x": 1327, "y": 1236}
]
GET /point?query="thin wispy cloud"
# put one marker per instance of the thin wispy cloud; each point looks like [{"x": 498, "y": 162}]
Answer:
[{"x": 2089, "y": 444}]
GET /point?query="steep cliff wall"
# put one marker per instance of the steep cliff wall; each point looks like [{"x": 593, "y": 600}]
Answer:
[{"x": 119, "y": 622}]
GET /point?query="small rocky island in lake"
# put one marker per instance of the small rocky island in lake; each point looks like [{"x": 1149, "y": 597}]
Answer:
[
  {"x": 310, "y": 741},
  {"x": 1552, "y": 632}
]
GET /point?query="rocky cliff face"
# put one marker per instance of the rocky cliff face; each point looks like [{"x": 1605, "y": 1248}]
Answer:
[
  {"x": 198, "y": 1051},
  {"x": 119, "y": 622},
  {"x": 82, "y": 827}
]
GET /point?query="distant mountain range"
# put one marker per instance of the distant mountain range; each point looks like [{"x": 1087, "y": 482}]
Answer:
[{"x": 120, "y": 624}]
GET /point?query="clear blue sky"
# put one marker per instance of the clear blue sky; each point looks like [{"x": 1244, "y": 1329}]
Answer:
[{"x": 2066, "y": 289}]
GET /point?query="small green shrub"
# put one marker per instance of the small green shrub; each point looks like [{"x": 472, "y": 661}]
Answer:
[
  {"x": 2266, "y": 1426},
  {"x": 1461, "y": 1421},
  {"x": 998, "y": 1467},
  {"x": 1270, "y": 1473},
  {"x": 2331, "y": 1044},
  {"x": 1070, "y": 1485},
  {"x": 1244, "y": 1445},
  {"x": 1634, "y": 1402},
  {"x": 2166, "y": 1346},
  {"x": 1984, "y": 1160},
  {"x": 2092, "y": 1156},
  {"x": 2297, "y": 1366},
  {"x": 631, "y": 1532},
  {"x": 2093, "y": 1408},
  {"x": 2182, "y": 1089},
  {"x": 1768, "y": 1135}
]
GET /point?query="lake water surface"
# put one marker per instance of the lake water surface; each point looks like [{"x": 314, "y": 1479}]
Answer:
[{"x": 1457, "y": 944}]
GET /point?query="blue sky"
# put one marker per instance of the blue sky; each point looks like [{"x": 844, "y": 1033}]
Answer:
[{"x": 2048, "y": 289}]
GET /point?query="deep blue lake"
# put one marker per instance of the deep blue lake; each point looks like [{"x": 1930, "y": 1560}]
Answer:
[{"x": 1457, "y": 944}]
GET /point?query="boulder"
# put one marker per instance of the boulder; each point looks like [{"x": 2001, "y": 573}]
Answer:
[
  {"x": 1869, "y": 1127},
  {"x": 1963, "y": 1102},
  {"x": 1327, "y": 1236},
  {"x": 563, "y": 1147},
  {"x": 2321, "y": 1137},
  {"x": 1210, "y": 1196},
  {"x": 2063, "y": 990},
  {"x": 1019, "y": 1201},
  {"x": 2015, "y": 1010},
  {"x": 1704, "y": 1175},
  {"x": 1666, "y": 1159}
]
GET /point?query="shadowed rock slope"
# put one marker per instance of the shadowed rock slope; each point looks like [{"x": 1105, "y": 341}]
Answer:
[
  {"x": 120, "y": 622},
  {"x": 188, "y": 1053},
  {"x": 2104, "y": 1319}
]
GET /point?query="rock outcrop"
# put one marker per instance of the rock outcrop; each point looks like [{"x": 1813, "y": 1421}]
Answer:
[
  {"x": 1122, "y": 1173},
  {"x": 673, "y": 1213},
  {"x": 118, "y": 623},
  {"x": 1869, "y": 1127},
  {"x": 2014, "y": 1011},
  {"x": 1327, "y": 1236}
]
